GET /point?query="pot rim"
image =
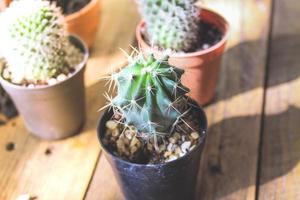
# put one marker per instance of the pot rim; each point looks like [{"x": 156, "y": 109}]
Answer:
[
  {"x": 195, "y": 53},
  {"x": 201, "y": 142},
  {"x": 82, "y": 11},
  {"x": 79, "y": 67}
]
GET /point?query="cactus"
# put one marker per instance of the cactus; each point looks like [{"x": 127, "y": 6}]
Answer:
[
  {"x": 171, "y": 24},
  {"x": 34, "y": 42},
  {"x": 149, "y": 92}
]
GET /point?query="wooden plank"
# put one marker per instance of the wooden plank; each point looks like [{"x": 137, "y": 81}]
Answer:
[
  {"x": 280, "y": 166},
  {"x": 229, "y": 164},
  {"x": 103, "y": 184},
  {"x": 65, "y": 173}
]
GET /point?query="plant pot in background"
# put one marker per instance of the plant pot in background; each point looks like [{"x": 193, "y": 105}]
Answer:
[
  {"x": 56, "y": 111},
  {"x": 175, "y": 180},
  {"x": 4, "y": 4},
  {"x": 84, "y": 23},
  {"x": 202, "y": 67}
]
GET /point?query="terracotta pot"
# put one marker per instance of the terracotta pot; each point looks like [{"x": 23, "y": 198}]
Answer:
[
  {"x": 4, "y": 4},
  {"x": 56, "y": 111},
  {"x": 175, "y": 180},
  {"x": 201, "y": 67},
  {"x": 83, "y": 23}
]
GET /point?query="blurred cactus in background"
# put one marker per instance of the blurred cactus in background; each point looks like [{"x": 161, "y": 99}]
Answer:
[
  {"x": 171, "y": 24},
  {"x": 34, "y": 41},
  {"x": 148, "y": 96}
]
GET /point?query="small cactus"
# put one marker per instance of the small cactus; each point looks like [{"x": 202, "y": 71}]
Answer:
[
  {"x": 148, "y": 95},
  {"x": 171, "y": 24},
  {"x": 34, "y": 41}
]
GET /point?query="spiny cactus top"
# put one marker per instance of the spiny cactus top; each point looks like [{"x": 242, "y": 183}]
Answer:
[
  {"x": 171, "y": 24},
  {"x": 34, "y": 41},
  {"x": 149, "y": 91}
]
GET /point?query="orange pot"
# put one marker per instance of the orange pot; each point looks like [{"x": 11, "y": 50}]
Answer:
[
  {"x": 83, "y": 23},
  {"x": 4, "y": 4},
  {"x": 201, "y": 67}
]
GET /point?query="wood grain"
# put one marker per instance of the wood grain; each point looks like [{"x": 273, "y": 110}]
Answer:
[
  {"x": 103, "y": 185},
  {"x": 280, "y": 166},
  {"x": 229, "y": 162},
  {"x": 229, "y": 165},
  {"x": 65, "y": 173}
]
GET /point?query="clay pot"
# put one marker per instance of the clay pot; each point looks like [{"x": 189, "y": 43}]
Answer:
[
  {"x": 175, "y": 180},
  {"x": 84, "y": 23},
  {"x": 56, "y": 111},
  {"x": 201, "y": 67},
  {"x": 4, "y": 4}
]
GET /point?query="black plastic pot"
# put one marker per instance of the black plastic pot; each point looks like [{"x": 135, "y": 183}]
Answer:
[{"x": 175, "y": 180}]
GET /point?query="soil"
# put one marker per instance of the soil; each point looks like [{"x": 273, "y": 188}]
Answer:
[
  {"x": 71, "y": 6},
  {"x": 128, "y": 144},
  {"x": 209, "y": 35}
]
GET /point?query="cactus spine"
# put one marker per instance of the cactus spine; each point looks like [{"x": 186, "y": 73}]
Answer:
[
  {"x": 149, "y": 91},
  {"x": 171, "y": 24},
  {"x": 34, "y": 41}
]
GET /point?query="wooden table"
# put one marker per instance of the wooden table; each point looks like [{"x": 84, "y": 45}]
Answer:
[{"x": 253, "y": 147}]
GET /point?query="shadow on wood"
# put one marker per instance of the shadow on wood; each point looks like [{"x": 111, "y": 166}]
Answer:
[
  {"x": 233, "y": 161},
  {"x": 240, "y": 58}
]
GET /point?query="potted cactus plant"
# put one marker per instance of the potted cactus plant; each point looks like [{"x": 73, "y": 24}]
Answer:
[
  {"x": 194, "y": 38},
  {"x": 44, "y": 68},
  {"x": 82, "y": 17},
  {"x": 152, "y": 133}
]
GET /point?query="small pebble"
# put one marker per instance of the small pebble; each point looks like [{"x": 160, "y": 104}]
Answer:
[
  {"x": 6, "y": 74},
  {"x": 115, "y": 132},
  {"x": 134, "y": 141},
  {"x": 183, "y": 138},
  {"x": 61, "y": 77},
  {"x": 172, "y": 140},
  {"x": 48, "y": 152},
  {"x": 167, "y": 154},
  {"x": 31, "y": 86},
  {"x": 185, "y": 146},
  {"x": 111, "y": 125},
  {"x": 205, "y": 46},
  {"x": 195, "y": 135},
  {"x": 10, "y": 146},
  {"x": 52, "y": 81},
  {"x": 170, "y": 147},
  {"x": 162, "y": 148},
  {"x": 171, "y": 158},
  {"x": 133, "y": 149},
  {"x": 126, "y": 141},
  {"x": 176, "y": 136},
  {"x": 178, "y": 151}
]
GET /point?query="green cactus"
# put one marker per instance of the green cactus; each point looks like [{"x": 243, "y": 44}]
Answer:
[
  {"x": 148, "y": 94},
  {"x": 171, "y": 24},
  {"x": 34, "y": 41}
]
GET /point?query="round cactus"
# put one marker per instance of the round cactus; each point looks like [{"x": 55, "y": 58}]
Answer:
[
  {"x": 171, "y": 24},
  {"x": 149, "y": 92},
  {"x": 34, "y": 41}
]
